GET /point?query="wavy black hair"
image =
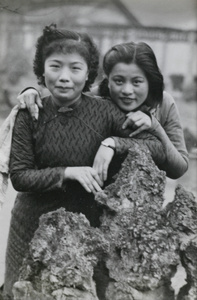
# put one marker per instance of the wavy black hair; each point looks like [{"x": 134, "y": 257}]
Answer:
[
  {"x": 64, "y": 41},
  {"x": 143, "y": 56}
]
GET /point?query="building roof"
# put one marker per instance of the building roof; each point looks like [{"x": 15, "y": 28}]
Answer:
[{"x": 177, "y": 14}]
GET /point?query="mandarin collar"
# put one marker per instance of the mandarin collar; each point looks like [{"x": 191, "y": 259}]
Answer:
[{"x": 64, "y": 109}]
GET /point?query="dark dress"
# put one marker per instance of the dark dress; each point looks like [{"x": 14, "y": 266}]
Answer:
[{"x": 40, "y": 152}]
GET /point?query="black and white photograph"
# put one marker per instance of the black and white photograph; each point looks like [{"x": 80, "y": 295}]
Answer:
[{"x": 98, "y": 150}]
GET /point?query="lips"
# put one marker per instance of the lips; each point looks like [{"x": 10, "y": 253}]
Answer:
[
  {"x": 127, "y": 100},
  {"x": 64, "y": 87}
]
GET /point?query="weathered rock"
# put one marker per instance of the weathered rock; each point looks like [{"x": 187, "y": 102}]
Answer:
[
  {"x": 138, "y": 242},
  {"x": 63, "y": 252},
  {"x": 23, "y": 290},
  {"x": 182, "y": 212},
  {"x": 144, "y": 251},
  {"x": 121, "y": 291},
  {"x": 139, "y": 183},
  {"x": 189, "y": 261},
  {"x": 182, "y": 215}
]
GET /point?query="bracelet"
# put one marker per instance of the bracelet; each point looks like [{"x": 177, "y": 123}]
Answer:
[{"x": 107, "y": 145}]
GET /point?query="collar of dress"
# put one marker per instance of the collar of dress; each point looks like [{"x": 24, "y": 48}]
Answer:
[{"x": 64, "y": 109}]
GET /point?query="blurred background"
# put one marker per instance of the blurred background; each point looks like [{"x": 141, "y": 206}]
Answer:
[{"x": 169, "y": 27}]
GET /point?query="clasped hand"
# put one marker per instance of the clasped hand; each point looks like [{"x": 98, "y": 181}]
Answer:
[
  {"x": 139, "y": 121},
  {"x": 86, "y": 176},
  {"x": 92, "y": 179}
]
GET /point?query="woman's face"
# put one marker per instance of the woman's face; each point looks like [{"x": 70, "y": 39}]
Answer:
[
  {"x": 128, "y": 86},
  {"x": 65, "y": 77}
]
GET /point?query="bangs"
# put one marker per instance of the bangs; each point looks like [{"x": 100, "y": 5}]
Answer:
[{"x": 67, "y": 47}]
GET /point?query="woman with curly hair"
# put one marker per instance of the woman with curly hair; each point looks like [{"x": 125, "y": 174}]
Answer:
[{"x": 51, "y": 160}]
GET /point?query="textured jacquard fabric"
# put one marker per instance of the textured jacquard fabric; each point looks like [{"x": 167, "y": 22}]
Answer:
[{"x": 155, "y": 147}]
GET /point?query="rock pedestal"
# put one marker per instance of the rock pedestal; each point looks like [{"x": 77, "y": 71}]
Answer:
[{"x": 139, "y": 243}]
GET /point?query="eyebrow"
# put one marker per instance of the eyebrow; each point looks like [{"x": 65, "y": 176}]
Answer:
[
  {"x": 59, "y": 61},
  {"x": 54, "y": 60},
  {"x": 77, "y": 62},
  {"x": 120, "y": 75}
]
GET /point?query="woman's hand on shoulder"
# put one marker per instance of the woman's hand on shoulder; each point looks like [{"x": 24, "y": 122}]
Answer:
[
  {"x": 31, "y": 100},
  {"x": 86, "y": 176},
  {"x": 138, "y": 121},
  {"x": 104, "y": 157}
]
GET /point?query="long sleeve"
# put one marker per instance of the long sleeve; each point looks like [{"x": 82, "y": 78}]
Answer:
[
  {"x": 25, "y": 175},
  {"x": 150, "y": 141},
  {"x": 176, "y": 163},
  {"x": 123, "y": 142},
  {"x": 170, "y": 133}
]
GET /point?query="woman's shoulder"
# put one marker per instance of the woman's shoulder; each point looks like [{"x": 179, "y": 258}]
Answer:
[
  {"x": 167, "y": 107},
  {"x": 167, "y": 102},
  {"x": 167, "y": 98}
]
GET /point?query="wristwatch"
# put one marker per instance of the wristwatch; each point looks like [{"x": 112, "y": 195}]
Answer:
[{"x": 109, "y": 146}]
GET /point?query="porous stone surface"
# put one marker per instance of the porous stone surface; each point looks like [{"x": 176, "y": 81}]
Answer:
[
  {"x": 139, "y": 243},
  {"x": 63, "y": 252},
  {"x": 189, "y": 261},
  {"x": 138, "y": 182},
  {"x": 182, "y": 217},
  {"x": 144, "y": 251}
]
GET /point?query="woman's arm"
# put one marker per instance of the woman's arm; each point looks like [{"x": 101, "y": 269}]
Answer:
[
  {"x": 120, "y": 146},
  {"x": 26, "y": 177},
  {"x": 121, "y": 142},
  {"x": 146, "y": 139},
  {"x": 169, "y": 131},
  {"x": 172, "y": 138},
  {"x": 176, "y": 160},
  {"x": 23, "y": 172}
]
